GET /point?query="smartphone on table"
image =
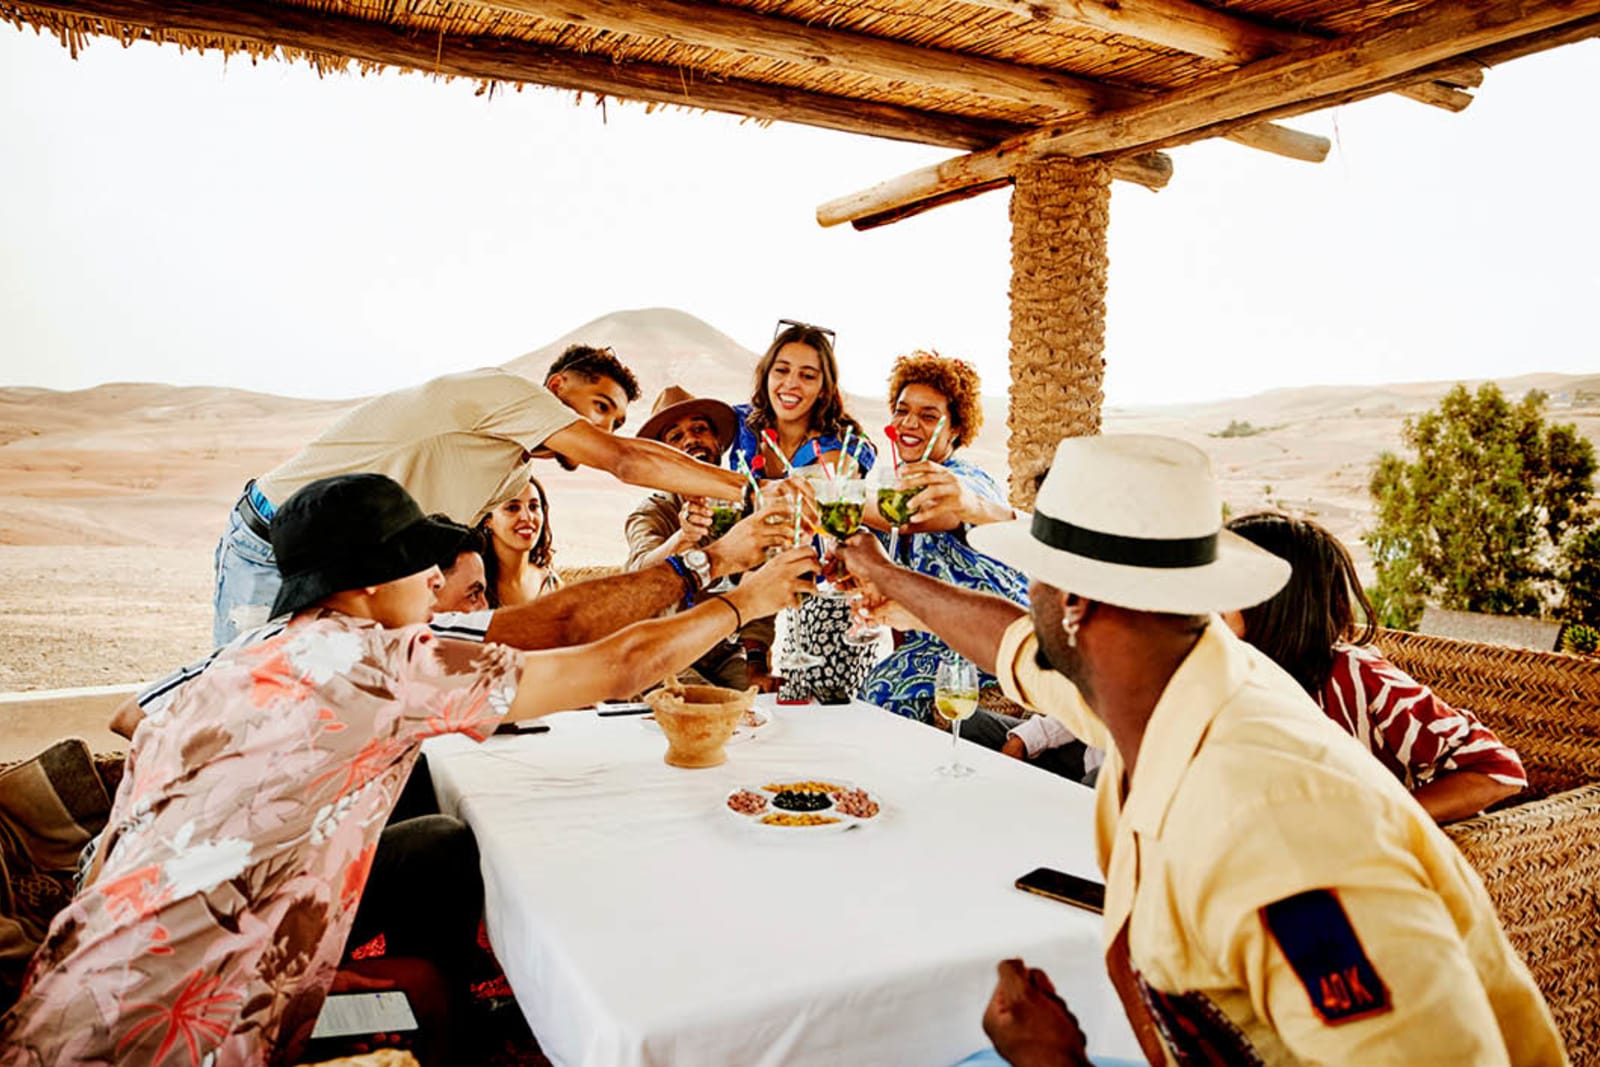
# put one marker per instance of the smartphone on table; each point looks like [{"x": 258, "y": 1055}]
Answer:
[
  {"x": 521, "y": 727},
  {"x": 351, "y": 1014},
  {"x": 631, "y": 707},
  {"x": 1067, "y": 888}
]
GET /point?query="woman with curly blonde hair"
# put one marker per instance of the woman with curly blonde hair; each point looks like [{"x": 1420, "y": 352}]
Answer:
[{"x": 935, "y": 408}]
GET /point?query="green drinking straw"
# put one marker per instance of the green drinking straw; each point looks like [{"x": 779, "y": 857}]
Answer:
[
  {"x": 797, "y": 524},
  {"x": 844, "y": 451},
  {"x": 937, "y": 429},
  {"x": 744, "y": 469}
]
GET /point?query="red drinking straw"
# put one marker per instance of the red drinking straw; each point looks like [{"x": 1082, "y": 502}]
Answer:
[{"x": 894, "y": 439}]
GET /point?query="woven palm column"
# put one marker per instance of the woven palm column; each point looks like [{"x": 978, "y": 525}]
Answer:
[{"x": 1059, "y": 211}]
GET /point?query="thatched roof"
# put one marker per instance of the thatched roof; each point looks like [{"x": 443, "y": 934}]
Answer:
[{"x": 1110, "y": 78}]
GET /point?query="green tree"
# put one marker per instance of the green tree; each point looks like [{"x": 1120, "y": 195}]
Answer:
[
  {"x": 1476, "y": 519},
  {"x": 1581, "y": 576}
]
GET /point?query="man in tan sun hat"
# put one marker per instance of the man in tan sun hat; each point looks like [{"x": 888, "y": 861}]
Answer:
[
  {"x": 666, "y": 527},
  {"x": 1273, "y": 895}
]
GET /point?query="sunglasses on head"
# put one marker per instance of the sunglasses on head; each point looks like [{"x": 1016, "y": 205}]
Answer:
[{"x": 805, "y": 327}]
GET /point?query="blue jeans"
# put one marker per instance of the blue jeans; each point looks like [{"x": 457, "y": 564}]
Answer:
[{"x": 247, "y": 582}]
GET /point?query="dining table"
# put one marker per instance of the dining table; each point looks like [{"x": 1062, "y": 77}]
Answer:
[{"x": 642, "y": 922}]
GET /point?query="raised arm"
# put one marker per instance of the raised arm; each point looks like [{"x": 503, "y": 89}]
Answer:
[
  {"x": 642, "y": 654},
  {"x": 644, "y": 463},
  {"x": 968, "y": 621},
  {"x": 588, "y": 611}
]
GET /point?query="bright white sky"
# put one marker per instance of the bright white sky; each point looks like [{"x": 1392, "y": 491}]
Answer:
[{"x": 166, "y": 217}]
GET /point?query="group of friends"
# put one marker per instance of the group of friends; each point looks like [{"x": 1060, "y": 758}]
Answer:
[{"x": 1268, "y": 787}]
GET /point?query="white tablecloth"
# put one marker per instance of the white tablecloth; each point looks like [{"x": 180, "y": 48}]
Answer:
[{"x": 640, "y": 924}]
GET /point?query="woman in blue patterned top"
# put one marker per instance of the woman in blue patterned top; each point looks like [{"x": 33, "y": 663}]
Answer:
[
  {"x": 938, "y": 400},
  {"x": 796, "y": 396}
]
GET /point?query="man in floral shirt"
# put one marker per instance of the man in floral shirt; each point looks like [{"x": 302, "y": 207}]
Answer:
[{"x": 243, "y": 832}]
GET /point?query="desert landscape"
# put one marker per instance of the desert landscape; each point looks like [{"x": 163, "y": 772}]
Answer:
[{"x": 111, "y": 498}]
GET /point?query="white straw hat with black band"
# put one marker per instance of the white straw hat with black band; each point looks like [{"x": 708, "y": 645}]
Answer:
[{"x": 1135, "y": 520}]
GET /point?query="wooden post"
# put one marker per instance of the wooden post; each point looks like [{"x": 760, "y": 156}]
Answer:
[{"x": 1059, "y": 211}]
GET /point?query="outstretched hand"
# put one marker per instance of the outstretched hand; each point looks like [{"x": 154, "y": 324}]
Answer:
[
  {"x": 746, "y": 544},
  {"x": 1029, "y": 1023},
  {"x": 694, "y": 519},
  {"x": 875, "y": 609},
  {"x": 863, "y": 555},
  {"x": 776, "y": 584},
  {"x": 944, "y": 500}
]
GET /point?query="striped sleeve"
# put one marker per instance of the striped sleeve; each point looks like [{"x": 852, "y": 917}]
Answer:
[{"x": 1416, "y": 734}]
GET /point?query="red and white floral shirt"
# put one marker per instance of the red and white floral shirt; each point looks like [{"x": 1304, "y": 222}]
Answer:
[
  {"x": 1411, "y": 731},
  {"x": 240, "y": 842}
]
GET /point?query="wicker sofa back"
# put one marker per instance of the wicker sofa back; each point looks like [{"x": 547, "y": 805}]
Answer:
[
  {"x": 1546, "y": 705},
  {"x": 1540, "y": 858}
]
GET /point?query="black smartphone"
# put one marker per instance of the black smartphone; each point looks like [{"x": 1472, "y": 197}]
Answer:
[
  {"x": 1068, "y": 888},
  {"x": 636, "y": 708},
  {"x": 517, "y": 729}
]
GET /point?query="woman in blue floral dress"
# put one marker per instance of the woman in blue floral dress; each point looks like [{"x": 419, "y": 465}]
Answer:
[{"x": 935, "y": 408}]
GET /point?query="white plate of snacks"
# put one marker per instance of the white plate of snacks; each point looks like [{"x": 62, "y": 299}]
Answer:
[
  {"x": 803, "y": 805},
  {"x": 751, "y": 724}
]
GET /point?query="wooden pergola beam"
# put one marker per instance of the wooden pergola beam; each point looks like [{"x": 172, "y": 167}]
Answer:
[
  {"x": 770, "y": 37},
  {"x": 1356, "y": 67},
  {"x": 748, "y": 33},
  {"x": 494, "y": 59},
  {"x": 1197, "y": 30},
  {"x": 1177, "y": 24}
]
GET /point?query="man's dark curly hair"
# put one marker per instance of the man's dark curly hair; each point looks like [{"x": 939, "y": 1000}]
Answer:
[{"x": 596, "y": 363}]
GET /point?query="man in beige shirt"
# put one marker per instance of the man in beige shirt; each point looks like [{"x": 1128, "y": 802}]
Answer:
[
  {"x": 1273, "y": 894},
  {"x": 459, "y": 444}
]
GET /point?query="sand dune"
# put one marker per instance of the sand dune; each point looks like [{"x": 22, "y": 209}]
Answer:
[{"x": 111, "y": 499}]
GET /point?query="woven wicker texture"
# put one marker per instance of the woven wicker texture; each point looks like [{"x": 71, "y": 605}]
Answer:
[
  {"x": 1540, "y": 860},
  {"x": 1541, "y": 864},
  {"x": 1059, "y": 211},
  {"x": 1546, "y": 705}
]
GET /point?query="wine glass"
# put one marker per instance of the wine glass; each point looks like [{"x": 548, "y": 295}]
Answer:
[{"x": 955, "y": 696}]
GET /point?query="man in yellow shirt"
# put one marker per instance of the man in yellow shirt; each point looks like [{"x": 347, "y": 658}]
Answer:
[
  {"x": 459, "y": 445},
  {"x": 1273, "y": 895}
]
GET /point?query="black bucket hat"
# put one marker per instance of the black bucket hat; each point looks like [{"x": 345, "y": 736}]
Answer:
[{"x": 350, "y": 531}]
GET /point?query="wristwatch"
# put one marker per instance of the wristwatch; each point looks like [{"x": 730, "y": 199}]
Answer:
[{"x": 699, "y": 564}]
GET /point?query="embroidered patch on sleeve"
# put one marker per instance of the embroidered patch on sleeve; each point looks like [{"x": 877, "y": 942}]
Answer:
[{"x": 1316, "y": 937}]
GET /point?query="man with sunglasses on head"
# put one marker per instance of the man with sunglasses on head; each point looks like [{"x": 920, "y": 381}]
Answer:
[{"x": 459, "y": 444}]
